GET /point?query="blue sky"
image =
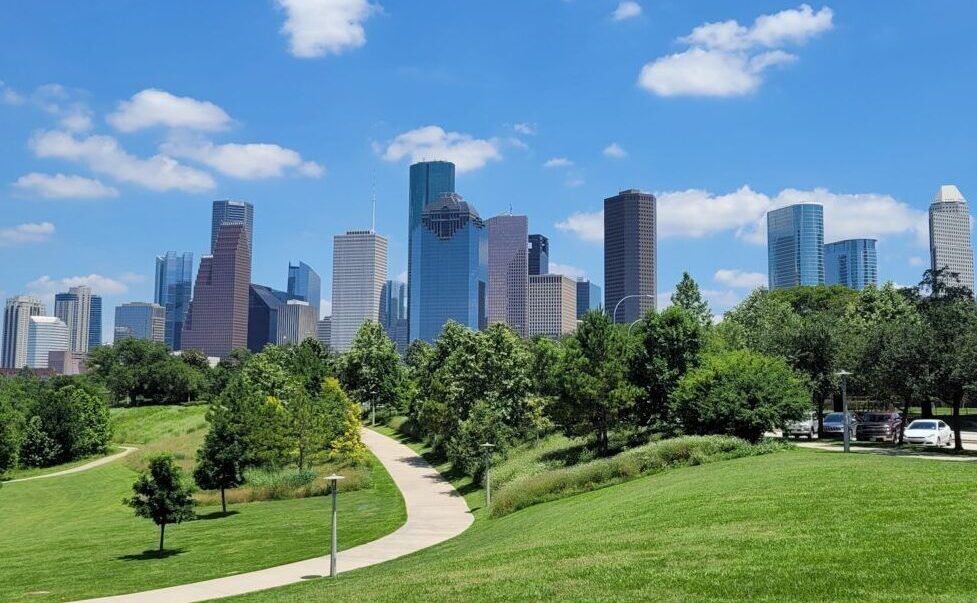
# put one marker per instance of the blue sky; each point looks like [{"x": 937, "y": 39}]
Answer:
[{"x": 120, "y": 122}]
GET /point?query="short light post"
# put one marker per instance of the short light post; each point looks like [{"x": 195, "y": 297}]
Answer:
[
  {"x": 333, "y": 485},
  {"x": 488, "y": 469},
  {"x": 846, "y": 433}
]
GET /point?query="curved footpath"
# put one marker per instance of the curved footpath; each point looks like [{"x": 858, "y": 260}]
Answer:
[
  {"x": 435, "y": 513},
  {"x": 105, "y": 460}
]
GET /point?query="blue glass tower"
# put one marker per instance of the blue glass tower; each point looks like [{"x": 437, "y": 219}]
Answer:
[
  {"x": 452, "y": 258},
  {"x": 95, "y": 323},
  {"x": 304, "y": 284},
  {"x": 795, "y": 245},
  {"x": 588, "y": 297},
  {"x": 428, "y": 181},
  {"x": 853, "y": 263},
  {"x": 174, "y": 284}
]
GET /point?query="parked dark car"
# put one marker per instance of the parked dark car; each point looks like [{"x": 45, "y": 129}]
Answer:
[
  {"x": 878, "y": 426},
  {"x": 834, "y": 425}
]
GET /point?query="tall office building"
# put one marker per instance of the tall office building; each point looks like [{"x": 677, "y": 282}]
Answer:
[
  {"x": 853, "y": 263},
  {"x": 16, "y": 322},
  {"x": 305, "y": 285},
  {"x": 74, "y": 308},
  {"x": 95, "y": 323},
  {"x": 296, "y": 322},
  {"x": 217, "y": 321},
  {"x": 45, "y": 334},
  {"x": 232, "y": 212},
  {"x": 539, "y": 254},
  {"x": 951, "y": 247},
  {"x": 508, "y": 271},
  {"x": 393, "y": 313},
  {"x": 630, "y": 254},
  {"x": 588, "y": 297},
  {"x": 359, "y": 271},
  {"x": 264, "y": 304},
  {"x": 428, "y": 181},
  {"x": 795, "y": 245},
  {"x": 140, "y": 320},
  {"x": 552, "y": 305},
  {"x": 452, "y": 260},
  {"x": 323, "y": 331},
  {"x": 174, "y": 287}
]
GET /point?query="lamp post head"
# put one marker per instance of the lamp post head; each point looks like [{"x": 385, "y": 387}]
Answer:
[
  {"x": 333, "y": 478},
  {"x": 842, "y": 374},
  {"x": 487, "y": 446}
]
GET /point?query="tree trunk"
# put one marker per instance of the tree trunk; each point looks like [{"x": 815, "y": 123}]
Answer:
[
  {"x": 162, "y": 530},
  {"x": 223, "y": 502},
  {"x": 926, "y": 409},
  {"x": 958, "y": 443},
  {"x": 905, "y": 419},
  {"x": 301, "y": 457}
]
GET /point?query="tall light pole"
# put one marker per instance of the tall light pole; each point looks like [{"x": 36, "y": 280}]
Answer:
[
  {"x": 846, "y": 433},
  {"x": 488, "y": 468},
  {"x": 618, "y": 304},
  {"x": 333, "y": 482}
]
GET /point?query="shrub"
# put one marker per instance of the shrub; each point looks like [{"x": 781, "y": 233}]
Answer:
[{"x": 281, "y": 484}]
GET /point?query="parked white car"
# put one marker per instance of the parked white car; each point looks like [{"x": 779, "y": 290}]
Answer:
[
  {"x": 929, "y": 432},
  {"x": 807, "y": 427}
]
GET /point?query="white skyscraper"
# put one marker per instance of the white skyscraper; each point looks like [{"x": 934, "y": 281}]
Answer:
[
  {"x": 74, "y": 308},
  {"x": 296, "y": 322},
  {"x": 552, "y": 305},
  {"x": 950, "y": 243},
  {"x": 16, "y": 320},
  {"x": 45, "y": 334},
  {"x": 359, "y": 271}
]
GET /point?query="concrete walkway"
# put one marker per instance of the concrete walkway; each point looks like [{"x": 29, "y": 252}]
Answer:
[
  {"x": 105, "y": 460},
  {"x": 435, "y": 513}
]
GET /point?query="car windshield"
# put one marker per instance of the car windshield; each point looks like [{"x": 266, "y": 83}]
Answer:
[
  {"x": 928, "y": 425},
  {"x": 876, "y": 418},
  {"x": 835, "y": 417}
]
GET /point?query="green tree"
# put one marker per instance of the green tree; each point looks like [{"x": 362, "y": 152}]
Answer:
[
  {"x": 220, "y": 460},
  {"x": 371, "y": 370},
  {"x": 739, "y": 393},
  {"x": 688, "y": 297},
  {"x": 77, "y": 420},
  {"x": 37, "y": 448},
  {"x": 10, "y": 433},
  {"x": 162, "y": 494}
]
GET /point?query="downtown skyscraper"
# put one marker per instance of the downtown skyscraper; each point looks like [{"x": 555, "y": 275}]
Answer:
[
  {"x": 630, "y": 255},
  {"x": 232, "y": 212},
  {"x": 508, "y": 271},
  {"x": 305, "y": 285},
  {"x": 853, "y": 263},
  {"x": 539, "y": 254},
  {"x": 428, "y": 181},
  {"x": 16, "y": 323},
  {"x": 174, "y": 287},
  {"x": 45, "y": 334},
  {"x": 74, "y": 308},
  {"x": 359, "y": 272},
  {"x": 140, "y": 320},
  {"x": 951, "y": 248},
  {"x": 795, "y": 245},
  {"x": 393, "y": 313}
]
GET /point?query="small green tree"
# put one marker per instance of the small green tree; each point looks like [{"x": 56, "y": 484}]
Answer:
[
  {"x": 688, "y": 297},
  {"x": 220, "y": 461},
  {"x": 162, "y": 494}
]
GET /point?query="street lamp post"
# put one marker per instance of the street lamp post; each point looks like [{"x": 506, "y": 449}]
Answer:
[
  {"x": 488, "y": 468},
  {"x": 333, "y": 482},
  {"x": 846, "y": 433},
  {"x": 618, "y": 304}
]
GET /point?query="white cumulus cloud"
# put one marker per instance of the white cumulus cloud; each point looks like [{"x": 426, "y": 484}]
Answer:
[
  {"x": 740, "y": 279},
  {"x": 153, "y": 107},
  {"x": 26, "y": 233},
  {"x": 9, "y": 96},
  {"x": 525, "y": 129},
  {"x": 567, "y": 270},
  {"x": 588, "y": 226},
  {"x": 101, "y": 285},
  {"x": 430, "y": 143},
  {"x": 626, "y": 10},
  {"x": 615, "y": 150},
  {"x": 245, "y": 161},
  {"x": 60, "y": 186},
  {"x": 319, "y": 27},
  {"x": 557, "y": 162}
]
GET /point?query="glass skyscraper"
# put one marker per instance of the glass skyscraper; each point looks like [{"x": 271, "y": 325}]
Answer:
[
  {"x": 74, "y": 308},
  {"x": 393, "y": 313},
  {"x": 588, "y": 297},
  {"x": 630, "y": 254},
  {"x": 264, "y": 304},
  {"x": 305, "y": 285},
  {"x": 232, "y": 212},
  {"x": 853, "y": 263},
  {"x": 795, "y": 245},
  {"x": 508, "y": 271},
  {"x": 539, "y": 254},
  {"x": 139, "y": 320},
  {"x": 174, "y": 285},
  {"x": 428, "y": 181},
  {"x": 95, "y": 323},
  {"x": 452, "y": 258}
]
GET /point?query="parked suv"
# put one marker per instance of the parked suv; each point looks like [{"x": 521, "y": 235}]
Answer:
[
  {"x": 881, "y": 426},
  {"x": 807, "y": 426},
  {"x": 834, "y": 425}
]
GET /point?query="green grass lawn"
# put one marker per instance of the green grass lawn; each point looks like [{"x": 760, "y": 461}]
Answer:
[
  {"x": 179, "y": 430},
  {"x": 790, "y": 526}
]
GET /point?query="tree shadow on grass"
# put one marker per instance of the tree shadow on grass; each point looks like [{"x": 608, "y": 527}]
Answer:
[
  {"x": 215, "y": 515},
  {"x": 152, "y": 554}
]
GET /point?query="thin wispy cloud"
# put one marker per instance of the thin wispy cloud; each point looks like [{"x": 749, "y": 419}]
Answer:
[
  {"x": 26, "y": 233},
  {"x": 61, "y": 186},
  {"x": 626, "y": 10}
]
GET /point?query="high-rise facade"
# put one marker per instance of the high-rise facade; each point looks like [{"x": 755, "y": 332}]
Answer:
[
  {"x": 264, "y": 304},
  {"x": 231, "y": 212},
  {"x": 951, "y": 248},
  {"x": 323, "y": 331},
  {"x": 95, "y": 323},
  {"x": 853, "y": 263},
  {"x": 217, "y": 321},
  {"x": 795, "y": 245},
  {"x": 45, "y": 334},
  {"x": 393, "y": 313},
  {"x": 539, "y": 254},
  {"x": 588, "y": 297},
  {"x": 359, "y": 271},
  {"x": 16, "y": 322},
  {"x": 428, "y": 181},
  {"x": 74, "y": 308},
  {"x": 552, "y": 305},
  {"x": 174, "y": 288},
  {"x": 296, "y": 322},
  {"x": 140, "y": 320},
  {"x": 508, "y": 271},
  {"x": 451, "y": 254},
  {"x": 305, "y": 285},
  {"x": 630, "y": 254}
]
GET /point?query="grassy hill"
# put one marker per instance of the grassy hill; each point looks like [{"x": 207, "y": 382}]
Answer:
[{"x": 789, "y": 526}]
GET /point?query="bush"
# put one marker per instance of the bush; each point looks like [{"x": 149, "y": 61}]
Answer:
[{"x": 263, "y": 484}]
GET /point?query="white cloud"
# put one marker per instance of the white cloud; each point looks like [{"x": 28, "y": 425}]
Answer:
[
  {"x": 60, "y": 186},
  {"x": 918, "y": 262},
  {"x": 567, "y": 270},
  {"x": 319, "y": 27},
  {"x": 325, "y": 307},
  {"x": 557, "y": 162},
  {"x": 525, "y": 129},
  {"x": 433, "y": 143},
  {"x": 615, "y": 150},
  {"x": 574, "y": 181},
  {"x": 588, "y": 226},
  {"x": 102, "y": 154},
  {"x": 101, "y": 285},
  {"x": 626, "y": 10},
  {"x": 26, "y": 233},
  {"x": 9, "y": 96},
  {"x": 696, "y": 213},
  {"x": 244, "y": 161},
  {"x": 727, "y": 59},
  {"x": 517, "y": 143},
  {"x": 72, "y": 113},
  {"x": 402, "y": 276},
  {"x": 739, "y": 279},
  {"x": 132, "y": 277},
  {"x": 153, "y": 107}
]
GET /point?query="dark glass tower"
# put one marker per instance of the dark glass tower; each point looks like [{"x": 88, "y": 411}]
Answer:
[
  {"x": 630, "y": 254},
  {"x": 428, "y": 181},
  {"x": 588, "y": 297},
  {"x": 174, "y": 285},
  {"x": 539, "y": 254},
  {"x": 304, "y": 284},
  {"x": 508, "y": 276},
  {"x": 795, "y": 245},
  {"x": 231, "y": 212},
  {"x": 95, "y": 323},
  {"x": 264, "y": 304}
]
